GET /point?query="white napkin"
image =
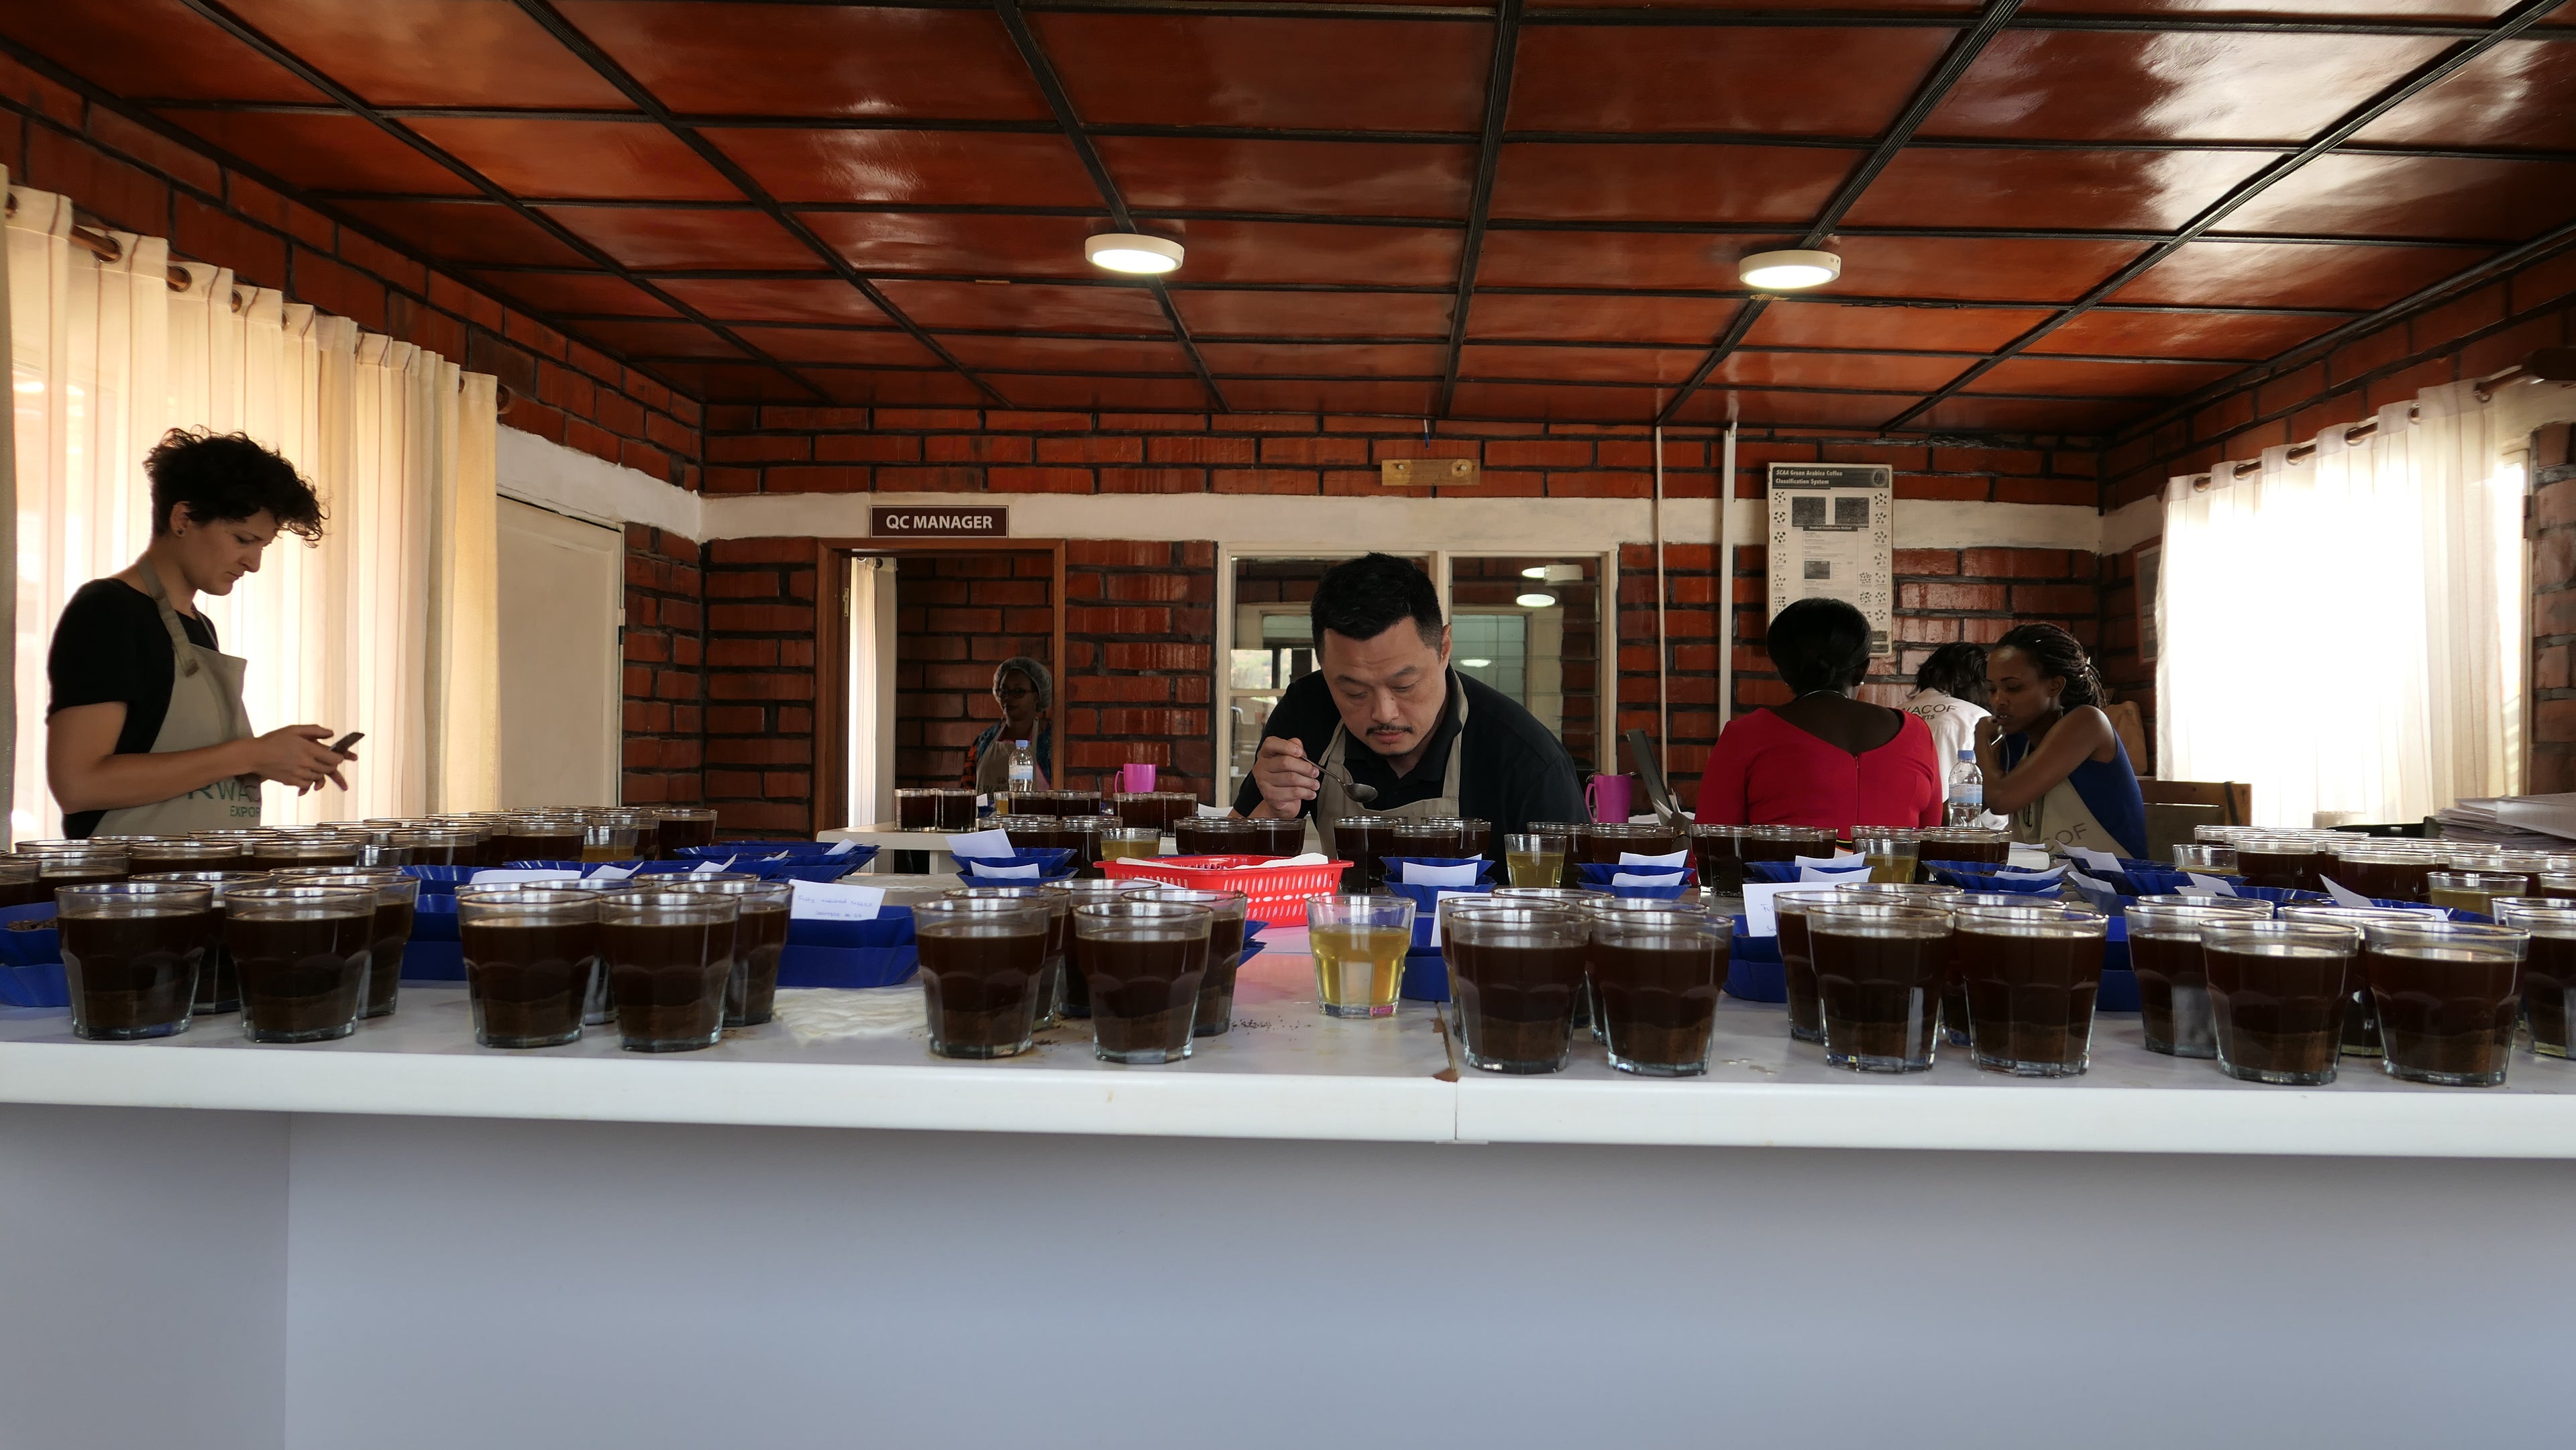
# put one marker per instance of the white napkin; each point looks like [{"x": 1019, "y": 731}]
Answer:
[
  {"x": 1418, "y": 874},
  {"x": 1311, "y": 858},
  {"x": 497, "y": 877},
  {"x": 820, "y": 901},
  {"x": 980, "y": 843},
  {"x": 1671, "y": 858}
]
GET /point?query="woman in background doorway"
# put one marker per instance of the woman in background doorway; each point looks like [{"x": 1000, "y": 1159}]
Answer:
[
  {"x": 1950, "y": 695},
  {"x": 1026, "y": 693},
  {"x": 2051, "y": 759}
]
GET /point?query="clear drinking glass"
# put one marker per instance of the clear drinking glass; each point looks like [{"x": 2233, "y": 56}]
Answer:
[
  {"x": 1124, "y": 843},
  {"x": 2548, "y": 968},
  {"x": 132, "y": 951},
  {"x": 1533, "y": 860},
  {"x": 530, "y": 960},
  {"x": 301, "y": 953},
  {"x": 681, "y": 827},
  {"x": 397, "y": 900},
  {"x": 2448, "y": 995},
  {"x": 669, "y": 956},
  {"x": 1797, "y": 964},
  {"x": 2032, "y": 974},
  {"x": 2472, "y": 890},
  {"x": 2360, "y": 1013},
  {"x": 1227, "y": 912},
  {"x": 1954, "y": 991},
  {"x": 2173, "y": 979},
  {"x": 915, "y": 810},
  {"x": 218, "y": 986},
  {"x": 1515, "y": 973},
  {"x": 760, "y": 939},
  {"x": 2276, "y": 995},
  {"x": 1892, "y": 854},
  {"x": 1145, "y": 961},
  {"x": 2206, "y": 858},
  {"x": 20, "y": 882},
  {"x": 980, "y": 962},
  {"x": 1879, "y": 972},
  {"x": 1359, "y": 944},
  {"x": 1076, "y": 992},
  {"x": 1655, "y": 978}
]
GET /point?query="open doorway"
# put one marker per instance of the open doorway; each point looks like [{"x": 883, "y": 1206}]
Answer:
[{"x": 908, "y": 660}]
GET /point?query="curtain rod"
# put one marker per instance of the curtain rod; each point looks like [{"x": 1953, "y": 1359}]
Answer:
[{"x": 2548, "y": 365}]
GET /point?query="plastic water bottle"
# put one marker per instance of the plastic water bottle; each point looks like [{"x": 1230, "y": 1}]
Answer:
[
  {"x": 1024, "y": 768},
  {"x": 1967, "y": 791}
]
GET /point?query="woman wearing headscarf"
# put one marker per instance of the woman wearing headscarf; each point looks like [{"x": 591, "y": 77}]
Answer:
[
  {"x": 1026, "y": 693},
  {"x": 2052, "y": 762}
]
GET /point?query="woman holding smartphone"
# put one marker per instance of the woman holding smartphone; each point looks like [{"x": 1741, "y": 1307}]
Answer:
[{"x": 147, "y": 733}]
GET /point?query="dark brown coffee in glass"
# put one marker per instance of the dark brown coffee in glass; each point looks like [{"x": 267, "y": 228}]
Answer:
[{"x": 131, "y": 955}]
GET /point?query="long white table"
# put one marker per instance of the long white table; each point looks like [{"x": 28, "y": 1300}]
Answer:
[{"x": 1315, "y": 1231}]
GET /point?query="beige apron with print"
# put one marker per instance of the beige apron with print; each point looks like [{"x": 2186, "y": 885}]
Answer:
[
  {"x": 2061, "y": 816},
  {"x": 205, "y": 709},
  {"x": 1332, "y": 801}
]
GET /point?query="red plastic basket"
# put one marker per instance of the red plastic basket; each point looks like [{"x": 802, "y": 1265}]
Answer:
[{"x": 1278, "y": 893}]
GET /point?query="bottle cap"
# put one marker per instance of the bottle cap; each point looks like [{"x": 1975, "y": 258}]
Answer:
[{"x": 1021, "y": 744}]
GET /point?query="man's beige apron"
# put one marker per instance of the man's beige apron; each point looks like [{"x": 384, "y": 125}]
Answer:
[
  {"x": 1333, "y": 802},
  {"x": 205, "y": 709}
]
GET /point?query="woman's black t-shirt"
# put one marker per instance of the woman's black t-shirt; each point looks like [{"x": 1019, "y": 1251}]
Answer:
[{"x": 109, "y": 645}]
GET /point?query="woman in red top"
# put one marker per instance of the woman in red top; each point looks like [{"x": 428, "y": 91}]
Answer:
[{"x": 1823, "y": 759}]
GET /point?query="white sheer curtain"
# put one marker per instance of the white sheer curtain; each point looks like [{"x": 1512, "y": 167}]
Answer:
[
  {"x": 388, "y": 626},
  {"x": 2346, "y": 630}
]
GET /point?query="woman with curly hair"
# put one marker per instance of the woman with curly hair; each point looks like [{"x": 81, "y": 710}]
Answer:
[{"x": 2051, "y": 759}]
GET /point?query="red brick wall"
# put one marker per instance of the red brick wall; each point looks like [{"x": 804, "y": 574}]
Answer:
[
  {"x": 1140, "y": 642},
  {"x": 957, "y": 616},
  {"x": 2553, "y": 610},
  {"x": 123, "y": 173},
  {"x": 760, "y": 678},
  {"x": 664, "y": 643}
]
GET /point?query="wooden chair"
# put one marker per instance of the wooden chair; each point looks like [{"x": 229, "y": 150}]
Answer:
[
  {"x": 2233, "y": 799},
  {"x": 2171, "y": 825}
]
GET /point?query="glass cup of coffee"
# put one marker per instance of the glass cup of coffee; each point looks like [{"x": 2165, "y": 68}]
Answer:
[
  {"x": 1954, "y": 991},
  {"x": 21, "y": 882},
  {"x": 397, "y": 901},
  {"x": 160, "y": 858},
  {"x": 2384, "y": 872},
  {"x": 218, "y": 986},
  {"x": 440, "y": 845},
  {"x": 2205, "y": 858},
  {"x": 1130, "y": 843},
  {"x": 1213, "y": 836},
  {"x": 1277, "y": 837},
  {"x": 1587, "y": 1008},
  {"x": 1717, "y": 857},
  {"x": 2276, "y": 996},
  {"x": 1359, "y": 943},
  {"x": 1530, "y": 859},
  {"x": 1515, "y": 973},
  {"x": 760, "y": 939},
  {"x": 1655, "y": 978},
  {"x": 132, "y": 951},
  {"x": 304, "y": 852},
  {"x": 915, "y": 810},
  {"x": 2448, "y": 995},
  {"x": 597, "y": 1010},
  {"x": 2360, "y": 1013},
  {"x": 74, "y": 863},
  {"x": 1227, "y": 912},
  {"x": 1797, "y": 963},
  {"x": 530, "y": 960},
  {"x": 2473, "y": 890},
  {"x": 1892, "y": 854},
  {"x": 1365, "y": 841},
  {"x": 677, "y": 828},
  {"x": 669, "y": 956},
  {"x": 1145, "y": 961},
  {"x": 980, "y": 962},
  {"x": 2032, "y": 975},
  {"x": 1429, "y": 840},
  {"x": 956, "y": 809},
  {"x": 1059, "y": 945},
  {"x": 2173, "y": 979},
  {"x": 1076, "y": 993},
  {"x": 1879, "y": 974},
  {"x": 302, "y": 955},
  {"x": 2548, "y": 967}
]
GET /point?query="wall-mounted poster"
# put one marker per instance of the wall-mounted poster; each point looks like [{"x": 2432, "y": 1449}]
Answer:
[{"x": 1831, "y": 537}]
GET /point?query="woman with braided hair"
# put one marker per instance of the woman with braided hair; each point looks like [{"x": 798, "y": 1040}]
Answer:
[{"x": 2051, "y": 759}]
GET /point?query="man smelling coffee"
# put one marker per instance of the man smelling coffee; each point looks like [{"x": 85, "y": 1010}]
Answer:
[
  {"x": 147, "y": 733},
  {"x": 1383, "y": 712}
]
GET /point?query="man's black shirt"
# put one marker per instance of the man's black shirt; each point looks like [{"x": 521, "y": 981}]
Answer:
[
  {"x": 1514, "y": 771},
  {"x": 109, "y": 645}
]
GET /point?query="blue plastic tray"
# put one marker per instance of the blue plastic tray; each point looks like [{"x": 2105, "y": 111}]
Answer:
[{"x": 1753, "y": 970}]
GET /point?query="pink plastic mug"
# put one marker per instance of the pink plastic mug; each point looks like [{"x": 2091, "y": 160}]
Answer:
[
  {"x": 1135, "y": 779},
  {"x": 1608, "y": 796}
]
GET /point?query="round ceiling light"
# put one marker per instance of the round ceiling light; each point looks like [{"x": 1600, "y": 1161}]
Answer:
[
  {"x": 1536, "y": 600},
  {"x": 1789, "y": 270},
  {"x": 1132, "y": 252}
]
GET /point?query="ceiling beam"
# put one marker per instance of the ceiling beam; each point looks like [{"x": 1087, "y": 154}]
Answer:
[
  {"x": 1060, "y": 101},
  {"x": 349, "y": 101},
  {"x": 1480, "y": 197},
  {"x": 571, "y": 38},
  {"x": 1964, "y": 49},
  {"x": 2449, "y": 62}
]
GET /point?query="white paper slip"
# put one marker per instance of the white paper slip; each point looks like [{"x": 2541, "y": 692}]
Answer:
[
  {"x": 2083, "y": 882},
  {"x": 1840, "y": 859},
  {"x": 2101, "y": 861},
  {"x": 1440, "y": 896},
  {"x": 497, "y": 876},
  {"x": 980, "y": 843},
  {"x": 2210, "y": 885},
  {"x": 2344, "y": 895},
  {"x": 1214, "y": 813},
  {"x": 709, "y": 868},
  {"x": 823, "y": 901},
  {"x": 1809, "y": 871},
  {"x": 842, "y": 848},
  {"x": 1311, "y": 858},
  {"x": 611, "y": 873},
  {"x": 1626, "y": 878},
  {"x": 1671, "y": 858},
  {"x": 1418, "y": 874},
  {"x": 1761, "y": 917},
  {"x": 984, "y": 871}
]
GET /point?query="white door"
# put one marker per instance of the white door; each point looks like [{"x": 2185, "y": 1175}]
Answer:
[{"x": 563, "y": 595}]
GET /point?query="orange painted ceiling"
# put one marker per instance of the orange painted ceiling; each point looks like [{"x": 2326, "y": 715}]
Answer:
[{"x": 2054, "y": 216}]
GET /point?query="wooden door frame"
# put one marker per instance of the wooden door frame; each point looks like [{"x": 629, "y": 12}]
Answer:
[{"x": 832, "y": 651}]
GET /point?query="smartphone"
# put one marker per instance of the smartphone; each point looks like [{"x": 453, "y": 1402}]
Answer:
[{"x": 341, "y": 745}]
